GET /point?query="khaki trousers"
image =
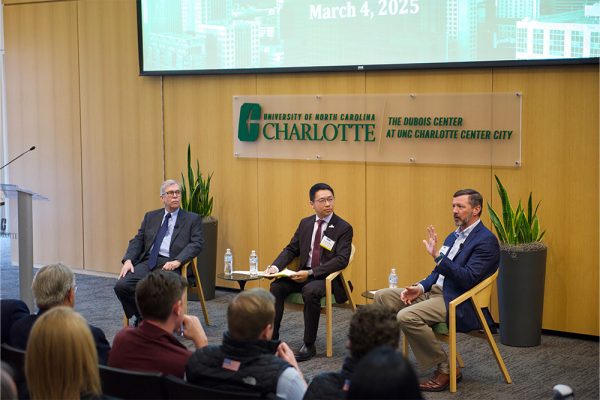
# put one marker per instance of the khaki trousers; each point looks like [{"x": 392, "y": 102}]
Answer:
[{"x": 416, "y": 320}]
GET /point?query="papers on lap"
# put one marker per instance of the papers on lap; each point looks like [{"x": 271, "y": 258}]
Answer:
[
  {"x": 260, "y": 273},
  {"x": 285, "y": 273}
]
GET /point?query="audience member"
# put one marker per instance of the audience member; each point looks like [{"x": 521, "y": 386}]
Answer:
[
  {"x": 371, "y": 326},
  {"x": 384, "y": 374},
  {"x": 168, "y": 238},
  {"x": 54, "y": 285},
  {"x": 11, "y": 310},
  {"x": 248, "y": 357},
  {"x": 61, "y": 361},
  {"x": 151, "y": 347}
]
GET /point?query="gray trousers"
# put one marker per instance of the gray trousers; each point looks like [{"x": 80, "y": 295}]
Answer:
[{"x": 415, "y": 322}]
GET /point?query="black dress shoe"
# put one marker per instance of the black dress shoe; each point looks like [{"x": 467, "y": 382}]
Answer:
[{"x": 306, "y": 352}]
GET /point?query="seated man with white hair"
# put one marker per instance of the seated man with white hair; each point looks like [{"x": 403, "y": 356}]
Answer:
[{"x": 54, "y": 285}]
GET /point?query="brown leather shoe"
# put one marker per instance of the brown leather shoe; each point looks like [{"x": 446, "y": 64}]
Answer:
[{"x": 439, "y": 382}]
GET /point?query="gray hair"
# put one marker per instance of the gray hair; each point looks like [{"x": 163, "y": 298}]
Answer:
[
  {"x": 52, "y": 284},
  {"x": 166, "y": 184}
]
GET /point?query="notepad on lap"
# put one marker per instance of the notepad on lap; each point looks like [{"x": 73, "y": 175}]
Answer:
[{"x": 285, "y": 273}]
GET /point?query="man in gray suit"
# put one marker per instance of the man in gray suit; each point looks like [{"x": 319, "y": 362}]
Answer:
[{"x": 167, "y": 239}]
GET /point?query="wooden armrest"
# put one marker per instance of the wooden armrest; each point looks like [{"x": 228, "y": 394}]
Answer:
[
  {"x": 333, "y": 275},
  {"x": 473, "y": 291},
  {"x": 463, "y": 297}
]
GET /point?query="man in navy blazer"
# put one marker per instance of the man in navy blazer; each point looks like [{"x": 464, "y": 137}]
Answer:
[
  {"x": 168, "y": 238},
  {"x": 469, "y": 255},
  {"x": 320, "y": 253}
]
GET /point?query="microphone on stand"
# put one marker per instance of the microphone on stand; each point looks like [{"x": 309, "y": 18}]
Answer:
[{"x": 19, "y": 156}]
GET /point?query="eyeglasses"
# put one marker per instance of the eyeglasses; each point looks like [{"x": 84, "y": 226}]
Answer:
[
  {"x": 173, "y": 193},
  {"x": 325, "y": 200}
]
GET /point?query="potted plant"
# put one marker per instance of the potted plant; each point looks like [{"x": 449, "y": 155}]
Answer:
[
  {"x": 195, "y": 197},
  {"x": 522, "y": 271}
]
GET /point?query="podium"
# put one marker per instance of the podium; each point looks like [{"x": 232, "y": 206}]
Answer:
[{"x": 25, "y": 236}]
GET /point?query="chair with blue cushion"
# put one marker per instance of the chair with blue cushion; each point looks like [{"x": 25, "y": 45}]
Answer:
[{"x": 294, "y": 300}]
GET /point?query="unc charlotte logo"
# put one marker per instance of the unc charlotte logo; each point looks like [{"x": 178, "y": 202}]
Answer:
[{"x": 248, "y": 127}]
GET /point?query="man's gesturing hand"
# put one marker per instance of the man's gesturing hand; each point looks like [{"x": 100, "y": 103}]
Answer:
[{"x": 431, "y": 242}]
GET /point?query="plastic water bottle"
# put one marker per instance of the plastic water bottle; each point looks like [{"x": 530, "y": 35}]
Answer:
[
  {"x": 228, "y": 270},
  {"x": 393, "y": 279},
  {"x": 253, "y": 263}
]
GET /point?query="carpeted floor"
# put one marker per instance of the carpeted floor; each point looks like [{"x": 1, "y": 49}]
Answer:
[{"x": 534, "y": 370}]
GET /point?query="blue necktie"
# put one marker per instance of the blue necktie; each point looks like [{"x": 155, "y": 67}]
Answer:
[{"x": 158, "y": 241}]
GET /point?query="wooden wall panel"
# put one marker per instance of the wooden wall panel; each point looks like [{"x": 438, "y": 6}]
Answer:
[
  {"x": 283, "y": 185},
  {"x": 121, "y": 125},
  {"x": 102, "y": 153},
  {"x": 402, "y": 200},
  {"x": 42, "y": 89},
  {"x": 198, "y": 110},
  {"x": 560, "y": 166}
]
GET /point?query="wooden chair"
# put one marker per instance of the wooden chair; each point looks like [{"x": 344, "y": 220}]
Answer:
[
  {"x": 125, "y": 384},
  {"x": 197, "y": 288},
  {"x": 179, "y": 389},
  {"x": 294, "y": 300},
  {"x": 480, "y": 296}
]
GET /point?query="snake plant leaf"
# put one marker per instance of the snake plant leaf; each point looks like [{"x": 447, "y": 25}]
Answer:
[
  {"x": 497, "y": 224},
  {"x": 518, "y": 226},
  {"x": 195, "y": 193}
]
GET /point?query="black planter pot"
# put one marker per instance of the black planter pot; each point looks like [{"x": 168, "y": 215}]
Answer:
[
  {"x": 521, "y": 296},
  {"x": 207, "y": 260}
]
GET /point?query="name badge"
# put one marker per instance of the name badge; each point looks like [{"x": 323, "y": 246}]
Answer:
[
  {"x": 444, "y": 250},
  {"x": 327, "y": 243}
]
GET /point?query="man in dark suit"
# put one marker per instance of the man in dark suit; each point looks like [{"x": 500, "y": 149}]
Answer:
[
  {"x": 168, "y": 238},
  {"x": 52, "y": 286},
  {"x": 11, "y": 310},
  {"x": 323, "y": 244},
  {"x": 469, "y": 255}
]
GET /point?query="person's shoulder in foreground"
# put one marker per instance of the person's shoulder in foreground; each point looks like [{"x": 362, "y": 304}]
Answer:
[
  {"x": 248, "y": 356},
  {"x": 152, "y": 346}
]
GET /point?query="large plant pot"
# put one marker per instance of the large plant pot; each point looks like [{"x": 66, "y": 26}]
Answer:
[
  {"x": 521, "y": 296},
  {"x": 207, "y": 260}
]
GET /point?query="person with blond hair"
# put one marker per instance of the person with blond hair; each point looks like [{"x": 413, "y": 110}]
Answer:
[{"x": 61, "y": 361}]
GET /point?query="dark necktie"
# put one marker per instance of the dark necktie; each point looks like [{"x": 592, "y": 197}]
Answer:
[
  {"x": 158, "y": 241},
  {"x": 316, "y": 251}
]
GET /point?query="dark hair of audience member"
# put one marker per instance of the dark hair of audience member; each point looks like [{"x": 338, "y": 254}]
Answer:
[
  {"x": 157, "y": 292},
  {"x": 249, "y": 313},
  {"x": 384, "y": 373},
  {"x": 61, "y": 361},
  {"x": 372, "y": 326}
]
